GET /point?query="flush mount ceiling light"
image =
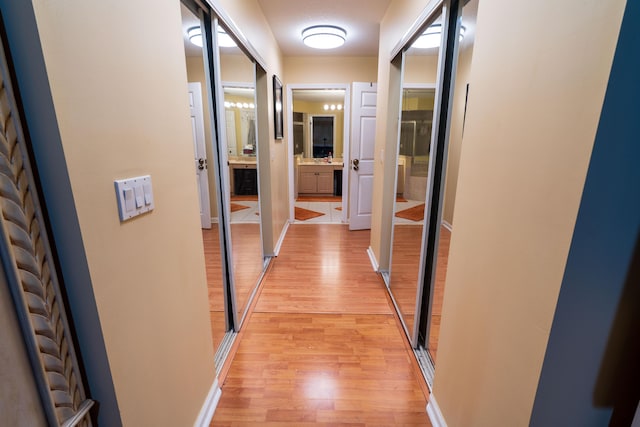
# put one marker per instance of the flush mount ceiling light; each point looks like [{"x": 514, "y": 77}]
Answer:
[
  {"x": 195, "y": 36},
  {"x": 432, "y": 36},
  {"x": 224, "y": 39},
  {"x": 324, "y": 36}
]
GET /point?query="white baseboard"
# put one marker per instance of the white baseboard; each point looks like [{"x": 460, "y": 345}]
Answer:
[
  {"x": 209, "y": 408},
  {"x": 374, "y": 261},
  {"x": 435, "y": 416},
  {"x": 446, "y": 225},
  {"x": 276, "y": 250},
  {"x": 214, "y": 220}
]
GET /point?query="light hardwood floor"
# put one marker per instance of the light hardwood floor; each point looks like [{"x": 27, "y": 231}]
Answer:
[
  {"x": 404, "y": 273},
  {"x": 322, "y": 345}
]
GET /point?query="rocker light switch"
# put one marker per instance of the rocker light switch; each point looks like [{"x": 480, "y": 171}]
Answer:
[
  {"x": 129, "y": 200},
  {"x": 148, "y": 194},
  {"x": 139, "y": 196},
  {"x": 135, "y": 196}
]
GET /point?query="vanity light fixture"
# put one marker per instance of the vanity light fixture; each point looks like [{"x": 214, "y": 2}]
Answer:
[
  {"x": 324, "y": 36},
  {"x": 332, "y": 107},
  {"x": 195, "y": 36},
  {"x": 432, "y": 36}
]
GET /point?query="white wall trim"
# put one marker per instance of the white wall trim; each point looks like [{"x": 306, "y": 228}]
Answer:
[
  {"x": 435, "y": 416},
  {"x": 214, "y": 220},
  {"x": 446, "y": 225},
  {"x": 374, "y": 261},
  {"x": 209, "y": 408},
  {"x": 276, "y": 250}
]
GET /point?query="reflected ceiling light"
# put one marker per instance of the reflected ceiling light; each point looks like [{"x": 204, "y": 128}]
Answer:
[
  {"x": 224, "y": 39},
  {"x": 432, "y": 36},
  {"x": 195, "y": 36},
  {"x": 324, "y": 36}
]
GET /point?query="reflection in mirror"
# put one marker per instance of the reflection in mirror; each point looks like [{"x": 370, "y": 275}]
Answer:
[
  {"x": 318, "y": 120},
  {"x": 318, "y": 145},
  {"x": 411, "y": 187},
  {"x": 207, "y": 183},
  {"x": 419, "y": 74},
  {"x": 238, "y": 82},
  {"x": 460, "y": 94}
]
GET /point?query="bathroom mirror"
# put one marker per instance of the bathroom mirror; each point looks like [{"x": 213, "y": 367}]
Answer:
[
  {"x": 419, "y": 72},
  {"x": 318, "y": 122},
  {"x": 239, "y": 137}
]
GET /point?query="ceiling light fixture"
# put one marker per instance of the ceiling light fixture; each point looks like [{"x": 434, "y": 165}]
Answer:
[
  {"x": 432, "y": 36},
  {"x": 224, "y": 39},
  {"x": 324, "y": 36},
  {"x": 195, "y": 36}
]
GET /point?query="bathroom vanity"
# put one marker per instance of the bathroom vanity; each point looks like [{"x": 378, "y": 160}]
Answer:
[
  {"x": 243, "y": 176},
  {"x": 320, "y": 178}
]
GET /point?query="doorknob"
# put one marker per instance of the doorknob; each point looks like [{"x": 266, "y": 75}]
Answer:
[{"x": 355, "y": 162}]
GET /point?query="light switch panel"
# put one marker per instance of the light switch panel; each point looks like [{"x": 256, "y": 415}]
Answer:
[{"x": 134, "y": 195}]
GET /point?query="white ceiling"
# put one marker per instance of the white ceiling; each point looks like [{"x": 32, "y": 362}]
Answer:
[{"x": 360, "y": 18}]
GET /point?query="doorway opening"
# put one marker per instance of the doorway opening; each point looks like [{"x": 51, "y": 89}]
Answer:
[{"x": 319, "y": 132}]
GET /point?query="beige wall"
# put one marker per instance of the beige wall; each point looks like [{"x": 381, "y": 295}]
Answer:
[
  {"x": 317, "y": 108},
  {"x": 248, "y": 16},
  {"x": 420, "y": 69},
  {"x": 120, "y": 96},
  {"x": 533, "y": 110},
  {"x": 329, "y": 69},
  {"x": 236, "y": 67},
  {"x": 455, "y": 139},
  {"x": 397, "y": 20}
]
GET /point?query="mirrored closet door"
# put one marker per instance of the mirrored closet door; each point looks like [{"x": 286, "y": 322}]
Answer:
[
  {"x": 203, "y": 141},
  {"x": 221, "y": 87},
  {"x": 239, "y": 150},
  {"x": 434, "y": 61}
]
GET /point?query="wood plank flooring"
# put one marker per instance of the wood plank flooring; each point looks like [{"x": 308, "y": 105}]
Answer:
[
  {"x": 322, "y": 345},
  {"x": 405, "y": 264}
]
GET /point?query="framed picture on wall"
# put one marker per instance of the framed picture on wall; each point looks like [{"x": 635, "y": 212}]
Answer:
[{"x": 277, "y": 108}]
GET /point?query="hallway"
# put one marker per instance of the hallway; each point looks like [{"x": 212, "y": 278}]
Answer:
[{"x": 322, "y": 344}]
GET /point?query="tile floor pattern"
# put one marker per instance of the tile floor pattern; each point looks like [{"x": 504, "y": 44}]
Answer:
[
  {"x": 250, "y": 215},
  {"x": 400, "y": 206},
  {"x": 331, "y": 214}
]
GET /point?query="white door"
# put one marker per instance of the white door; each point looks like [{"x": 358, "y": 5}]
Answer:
[
  {"x": 200, "y": 153},
  {"x": 363, "y": 132},
  {"x": 230, "y": 123}
]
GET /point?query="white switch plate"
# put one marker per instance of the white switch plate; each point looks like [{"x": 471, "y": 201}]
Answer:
[{"x": 135, "y": 196}]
